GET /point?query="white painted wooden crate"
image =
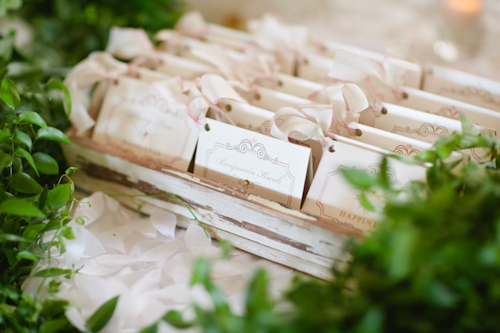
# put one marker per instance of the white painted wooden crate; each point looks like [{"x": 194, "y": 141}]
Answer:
[{"x": 251, "y": 223}]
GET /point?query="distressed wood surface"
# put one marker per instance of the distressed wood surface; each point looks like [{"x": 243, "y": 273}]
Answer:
[{"x": 254, "y": 224}]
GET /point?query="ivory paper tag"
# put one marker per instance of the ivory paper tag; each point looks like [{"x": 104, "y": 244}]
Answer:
[
  {"x": 144, "y": 120},
  {"x": 255, "y": 163},
  {"x": 462, "y": 86},
  {"x": 270, "y": 99},
  {"x": 419, "y": 125},
  {"x": 449, "y": 108},
  {"x": 297, "y": 87},
  {"x": 331, "y": 196},
  {"x": 388, "y": 141},
  {"x": 259, "y": 120}
]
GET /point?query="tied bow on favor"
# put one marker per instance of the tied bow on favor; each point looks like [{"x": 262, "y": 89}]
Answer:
[
  {"x": 99, "y": 68},
  {"x": 349, "y": 67},
  {"x": 321, "y": 122},
  {"x": 206, "y": 92}
]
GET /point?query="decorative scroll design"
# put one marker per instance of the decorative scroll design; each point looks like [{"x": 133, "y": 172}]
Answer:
[
  {"x": 424, "y": 130},
  {"x": 264, "y": 128},
  {"x": 373, "y": 170},
  {"x": 449, "y": 112},
  {"x": 405, "y": 150},
  {"x": 258, "y": 149},
  {"x": 470, "y": 91}
]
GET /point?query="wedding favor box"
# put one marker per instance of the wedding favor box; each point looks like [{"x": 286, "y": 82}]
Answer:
[{"x": 286, "y": 202}]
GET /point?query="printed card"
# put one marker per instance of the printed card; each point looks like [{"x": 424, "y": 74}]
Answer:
[
  {"x": 297, "y": 87},
  {"x": 462, "y": 86},
  {"x": 270, "y": 99},
  {"x": 186, "y": 68},
  {"x": 331, "y": 196},
  {"x": 449, "y": 108},
  {"x": 255, "y": 163},
  {"x": 259, "y": 120},
  {"x": 388, "y": 141},
  {"x": 419, "y": 125},
  {"x": 146, "y": 121}
]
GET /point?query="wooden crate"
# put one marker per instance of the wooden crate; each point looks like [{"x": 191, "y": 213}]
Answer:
[{"x": 251, "y": 223}]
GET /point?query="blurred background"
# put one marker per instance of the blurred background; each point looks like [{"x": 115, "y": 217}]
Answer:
[{"x": 404, "y": 26}]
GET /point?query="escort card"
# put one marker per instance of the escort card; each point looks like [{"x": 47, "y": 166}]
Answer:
[
  {"x": 462, "y": 86},
  {"x": 270, "y": 99},
  {"x": 447, "y": 107},
  {"x": 331, "y": 196},
  {"x": 419, "y": 125},
  {"x": 146, "y": 121},
  {"x": 252, "y": 162}
]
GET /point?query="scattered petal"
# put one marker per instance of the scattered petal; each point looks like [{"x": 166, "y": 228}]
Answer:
[
  {"x": 164, "y": 221},
  {"x": 161, "y": 252}
]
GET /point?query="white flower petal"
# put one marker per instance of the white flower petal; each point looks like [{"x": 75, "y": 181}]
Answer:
[
  {"x": 160, "y": 252},
  {"x": 164, "y": 221}
]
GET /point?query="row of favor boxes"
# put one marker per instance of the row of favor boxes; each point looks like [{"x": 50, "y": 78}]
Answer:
[{"x": 273, "y": 111}]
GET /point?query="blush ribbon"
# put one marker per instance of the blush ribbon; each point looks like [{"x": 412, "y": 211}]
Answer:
[
  {"x": 321, "y": 122},
  {"x": 349, "y": 67}
]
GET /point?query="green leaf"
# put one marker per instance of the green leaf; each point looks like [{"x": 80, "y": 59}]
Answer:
[
  {"x": 33, "y": 118},
  {"x": 24, "y": 139},
  {"x": 26, "y": 255},
  {"x": 59, "y": 196},
  {"x": 27, "y": 156},
  {"x": 258, "y": 295},
  {"x": 101, "y": 317},
  {"x": 4, "y": 135},
  {"x": 4, "y": 238},
  {"x": 54, "y": 325},
  {"x": 46, "y": 164},
  {"x": 9, "y": 94},
  {"x": 20, "y": 207},
  {"x": 53, "y": 134},
  {"x": 32, "y": 231},
  {"x": 359, "y": 178},
  {"x": 5, "y": 160},
  {"x": 468, "y": 127},
  {"x": 174, "y": 318},
  {"x": 67, "y": 232},
  {"x": 55, "y": 83},
  {"x": 52, "y": 272},
  {"x": 22, "y": 182},
  {"x": 363, "y": 200},
  {"x": 150, "y": 329}
]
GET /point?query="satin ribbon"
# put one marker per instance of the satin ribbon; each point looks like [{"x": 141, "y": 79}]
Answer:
[
  {"x": 321, "y": 122},
  {"x": 349, "y": 67},
  {"x": 99, "y": 67}
]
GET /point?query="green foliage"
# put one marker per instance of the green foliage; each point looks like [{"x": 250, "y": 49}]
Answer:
[
  {"x": 31, "y": 203},
  {"x": 433, "y": 264},
  {"x": 66, "y": 31}
]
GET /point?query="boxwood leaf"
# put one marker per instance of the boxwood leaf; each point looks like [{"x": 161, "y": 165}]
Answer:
[
  {"x": 4, "y": 136},
  {"x": 59, "y": 196},
  {"x": 26, "y": 255},
  {"x": 20, "y": 207},
  {"x": 24, "y": 139},
  {"x": 100, "y": 318},
  {"x": 5, "y": 160},
  {"x": 359, "y": 178},
  {"x": 52, "y": 134},
  {"x": 33, "y": 118},
  {"x": 51, "y": 272},
  {"x": 27, "y": 156},
  {"x": 22, "y": 182},
  {"x": 46, "y": 164},
  {"x": 11, "y": 238},
  {"x": 54, "y": 325},
  {"x": 9, "y": 94}
]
